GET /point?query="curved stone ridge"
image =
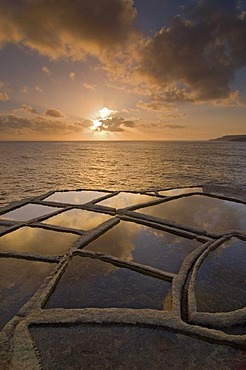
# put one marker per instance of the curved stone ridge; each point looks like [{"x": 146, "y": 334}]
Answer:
[{"x": 116, "y": 268}]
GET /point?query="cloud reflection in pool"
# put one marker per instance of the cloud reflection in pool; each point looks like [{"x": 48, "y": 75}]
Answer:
[
  {"x": 203, "y": 212},
  {"x": 145, "y": 245},
  {"x": 37, "y": 240},
  {"x": 78, "y": 219},
  {"x": 93, "y": 283}
]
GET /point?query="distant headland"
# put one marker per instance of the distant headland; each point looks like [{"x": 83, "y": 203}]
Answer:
[{"x": 231, "y": 138}]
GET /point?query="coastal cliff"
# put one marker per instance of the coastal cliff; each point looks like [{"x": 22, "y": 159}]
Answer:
[{"x": 231, "y": 138}]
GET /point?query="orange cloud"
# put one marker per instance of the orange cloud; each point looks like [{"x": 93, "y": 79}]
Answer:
[
  {"x": 89, "y": 86},
  {"x": 38, "y": 89},
  {"x": 65, "y": 29},
  {"x": 4, "y": 96},
  {"x": 54, "y": 113},
  {"x": 156, "y": 105},
  {"x": 192, "y": 59},
  {"x": 72, "y": 75},
  {"x": 234, "y": 99},
  {"x": 28, "y": 108}
]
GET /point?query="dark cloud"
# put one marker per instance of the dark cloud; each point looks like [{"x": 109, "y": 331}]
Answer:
[
  {"x": 196, "y": 56},
  {"x": 14, "y": 123},
  {"x": 114, "y": 124},
  {"x": 193, "y": 58},
  {"x": 54, "y": 113},
  {"x": 66, "y": 28}
]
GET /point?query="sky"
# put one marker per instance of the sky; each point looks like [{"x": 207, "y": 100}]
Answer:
[{"x": 122, "y": 69}]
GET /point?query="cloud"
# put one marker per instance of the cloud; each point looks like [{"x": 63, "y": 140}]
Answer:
[
  {"x": 28, "y": 108},
  {"x": 86, "y": 123},
  {"x": 46, "y": 70},
  {"x": 15, "y": 123},
  {"x": 195, "y": 57},
  {"x": 4, "y": 96},
  {"x": 24, "y": 89},
  {"x": 163, "y": 121},
  {"x": 54, "y": 113},
  {"x": 65, "y": 29},
  {"x": 72, "y": 75},
  {"x": 156, "y": 105},
  {"x": 175, "y": 126},
  {"x": 106, "y": 112},
  {"x": 114, "y": 124},
  {"x": 12, "y": 121},
  {"x": 234, "y": 99},
  {"x": 38, "y": 89},
  {"x": 89, "y": 86}
]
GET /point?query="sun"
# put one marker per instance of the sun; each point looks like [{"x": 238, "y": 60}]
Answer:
[
  {"x": 95, "y": 124},
  {"x": 104, "y": 113}
]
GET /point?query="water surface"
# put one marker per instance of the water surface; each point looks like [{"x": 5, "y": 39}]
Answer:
[
  {"x": 145, "y": 245},
  {"x": 32, "y": 168},
  {"x": 19, "y": 280},
  {"x": 221, "y": 281},
  {"x": 206, "y": 213},
  {"x": 93, "y": 283},
  {"x": 37, "y": 240}
]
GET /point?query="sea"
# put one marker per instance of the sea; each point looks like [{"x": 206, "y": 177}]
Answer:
[{"x": 33, "y": 168}]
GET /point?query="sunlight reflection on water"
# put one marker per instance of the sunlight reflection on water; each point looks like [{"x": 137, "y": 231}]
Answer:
[{"x": 32, "y": 168}]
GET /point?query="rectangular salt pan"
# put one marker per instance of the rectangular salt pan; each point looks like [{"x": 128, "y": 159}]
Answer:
[
  {"x": 19, "y": 279},
  {"x": 203, "y": 212},
  {"x": 93, "y": 283},
  {"x": 75, "y": 197},
  {"x": 78, "y": 219},
  {"x": 133, "y": 242},
  {"x": 123, "y": 200},
  {"x": 174, "y": 192},
  {"x": 28, "y": 212},
  {"x": 37, "y": 240},
  {"x": 128, "y": 347}
]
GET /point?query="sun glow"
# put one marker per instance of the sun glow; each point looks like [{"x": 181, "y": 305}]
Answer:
[
  {"x": 95, "y": 124},
  {"x": 104, "y": 114}
]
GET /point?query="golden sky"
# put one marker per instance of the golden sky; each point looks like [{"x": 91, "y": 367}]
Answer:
[{"x": 122, "y": 69}]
